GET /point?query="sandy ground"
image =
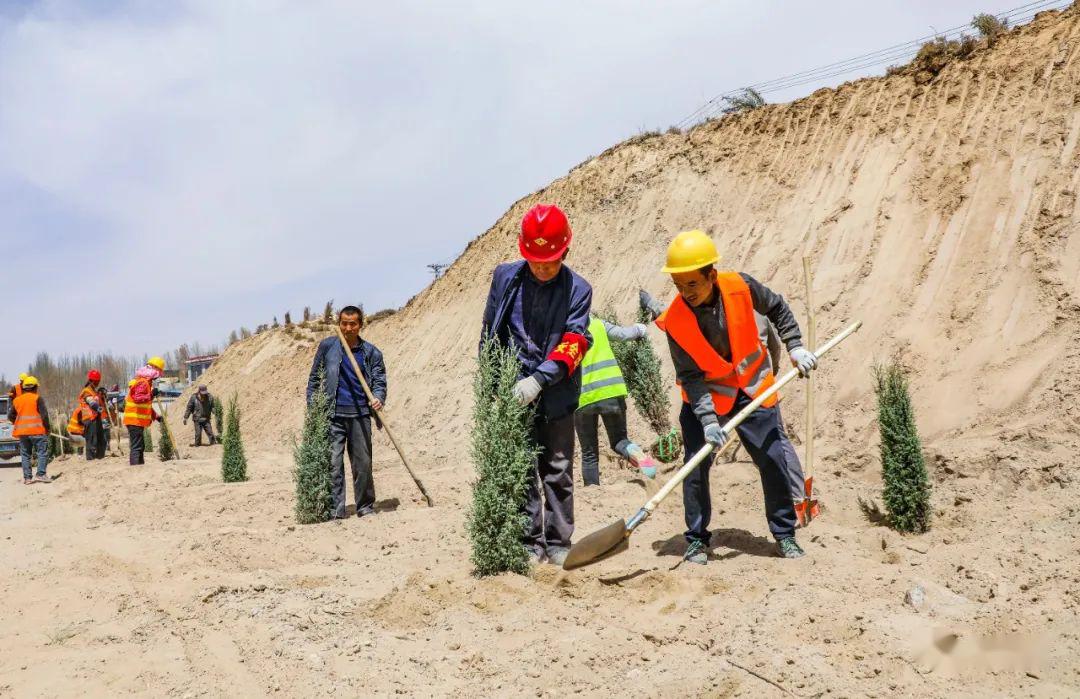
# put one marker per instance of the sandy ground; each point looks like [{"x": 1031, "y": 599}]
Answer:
[
  {"x": 943, "y": 214},
  {"x": 161, "y": 580}
]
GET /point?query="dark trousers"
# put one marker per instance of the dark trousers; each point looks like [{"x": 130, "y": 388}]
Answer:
[
  {"x": 762, "y": 436},
  {"x": 586, "y": 422},
  {"x": 136, "y": 445},
  {"x": 353, "y": 434},
  {"x": 549, "y": 491},
  {"x": 201, "y": 427},
  {"x": 95, "y": 439}
]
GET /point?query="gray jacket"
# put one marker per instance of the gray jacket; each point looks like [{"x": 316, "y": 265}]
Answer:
[
  {"x": 769, "y": 306},
  {"x": 328, "y": 358},
  {"x": 200, "y": 410}
]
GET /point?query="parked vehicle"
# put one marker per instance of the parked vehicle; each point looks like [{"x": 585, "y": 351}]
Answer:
[{"x": 9, "y": 446}]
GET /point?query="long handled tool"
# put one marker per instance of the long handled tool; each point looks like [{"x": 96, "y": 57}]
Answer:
[
  {"x": 371, "y": 401},
  {"x": 614, "y": 538},
  {"x": 807, "y": 509}
]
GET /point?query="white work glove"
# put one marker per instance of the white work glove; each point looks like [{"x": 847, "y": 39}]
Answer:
[
  {"x": 803, "y": 360},
  {"x": 641, "y": 328},
  {"x": 649, "y": 304},
  {"x": 716, "y": 435},
  {"x": 526, "y": 390}
]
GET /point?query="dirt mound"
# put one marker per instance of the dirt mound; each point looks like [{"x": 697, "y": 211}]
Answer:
[
  {"x": 943, "y": 213},
  {"x": 939, "y": 214}
]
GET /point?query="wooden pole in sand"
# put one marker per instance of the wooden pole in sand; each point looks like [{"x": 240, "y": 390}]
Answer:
[{"x": 811, "y": 336}]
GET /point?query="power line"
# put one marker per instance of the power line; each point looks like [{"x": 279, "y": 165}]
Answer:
[{"x": 891, "y": 55}]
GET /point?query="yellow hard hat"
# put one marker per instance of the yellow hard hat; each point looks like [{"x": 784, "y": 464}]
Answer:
[
  {"x": 30, "y": 382},
  {"x": 157, "y": 362},
  {"x": 689, "y": 251},
  {"x": 23, "y": 377}
]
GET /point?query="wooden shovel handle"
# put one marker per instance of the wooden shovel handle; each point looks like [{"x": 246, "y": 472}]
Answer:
[{"x": 371, "y": 401}]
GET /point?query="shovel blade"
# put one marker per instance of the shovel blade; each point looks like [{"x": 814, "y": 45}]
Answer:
[
  {"x": 602, "y": 543},
  {"x": 807, "y": 509}
]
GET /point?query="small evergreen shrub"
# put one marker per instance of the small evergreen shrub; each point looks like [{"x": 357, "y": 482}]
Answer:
[
  {"x": 906, "y": 484},
  {"x": 233, "y": 462},
  {"x": 312, "y": 457}
]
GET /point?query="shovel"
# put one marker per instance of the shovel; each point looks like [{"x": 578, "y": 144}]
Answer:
[
  {"x": 808, "y": 508},
  {"x": 615, "y": 537}
]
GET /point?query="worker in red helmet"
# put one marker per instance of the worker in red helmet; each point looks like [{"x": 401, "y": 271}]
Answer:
[
  {"x": 540, "y": 307},
  {"x": 91, "y": 415}
]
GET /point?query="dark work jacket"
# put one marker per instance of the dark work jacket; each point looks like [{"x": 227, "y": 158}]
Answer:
[
  {"x": 560, "y": 393},
  {"x": 201, "y": 411},
  {"x": 329, "y": 356}
]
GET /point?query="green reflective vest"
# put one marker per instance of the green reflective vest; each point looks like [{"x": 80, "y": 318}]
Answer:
[{"x": 600, "y": 374}]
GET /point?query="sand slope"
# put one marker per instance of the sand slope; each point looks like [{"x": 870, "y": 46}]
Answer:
[{"x": 943, "y": 215}]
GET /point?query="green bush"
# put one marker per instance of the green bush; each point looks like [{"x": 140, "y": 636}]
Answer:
[
  {"x": 641, "y": 369},
  {"x": 504, "y": 454},
  {"x": 166, "y": 449},
  {"x": 989, "y": 26},
  {"x": 747, "y": 99},
  {"x": 233, "y": 462},
  {"x": 906, "y": 484},
  {"x": 218, "y": 412},
  {"x": 312, "y": 456},
  {"x": 148, "y": 439}
]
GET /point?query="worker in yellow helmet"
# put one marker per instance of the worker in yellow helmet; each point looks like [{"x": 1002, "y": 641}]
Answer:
[
  {"x": 716, "y": 327},
  {"x": 138, "y": 407},
  {"x": 30, "y": 420}
]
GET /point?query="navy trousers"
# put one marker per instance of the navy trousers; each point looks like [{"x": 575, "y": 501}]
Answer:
[{"x": 763, "y": 437}]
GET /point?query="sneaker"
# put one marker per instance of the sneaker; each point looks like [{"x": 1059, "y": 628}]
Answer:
[
  {"x": 42, "y": 479},
  {"x": 789, "y": 548},
  {"x": 556, "y": 555},
  {"x": 27, "y": 481},
  {"x": 535, "y": 557},
  {"x": 697, "y": 553},
  {"x": 365, "y": 511}
]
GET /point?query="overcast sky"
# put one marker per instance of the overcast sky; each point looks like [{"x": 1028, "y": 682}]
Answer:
[{"x": 172, "y": 170}]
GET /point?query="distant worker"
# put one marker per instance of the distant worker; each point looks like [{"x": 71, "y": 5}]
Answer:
[
  {"x": 722, "y": 365},
  {"x": 107, "y": 422},
  {"x": 92, "y": 415},
  {"x": 541, "y": 307},
  {"x": 350, "y": 425},
  {"x": 17, "y": 389},
  {"x": 603, "y": 396},
  {"x": 200, "y": 408},
  {"x": 138, "y": 407},
  {"x": 30, "y": 422}
]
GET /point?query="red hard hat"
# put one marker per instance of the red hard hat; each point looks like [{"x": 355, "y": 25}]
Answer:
[
  {"x": 545, "y": 234},
  {"x": 93, "y": 375}
]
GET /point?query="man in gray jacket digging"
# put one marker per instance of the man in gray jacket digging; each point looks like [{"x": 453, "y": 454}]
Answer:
[{"x": 200, "y": 408}]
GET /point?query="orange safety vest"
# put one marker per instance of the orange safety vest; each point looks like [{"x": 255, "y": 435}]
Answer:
[
  {"x": 28, "y": 422},
  {"x": 137, "y": 414},
  {"x": 85, "y": 395},
  {"x": 18, "y": 390},
  {"x": 75, "y": 426},
  {"x": 747, "y": 370}
]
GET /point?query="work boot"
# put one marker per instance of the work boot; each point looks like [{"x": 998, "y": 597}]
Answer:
[
  {"x": 697, "y": 553},
  {"x": 556, "y": 555},
  {"x": 789, "y": 548}
]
